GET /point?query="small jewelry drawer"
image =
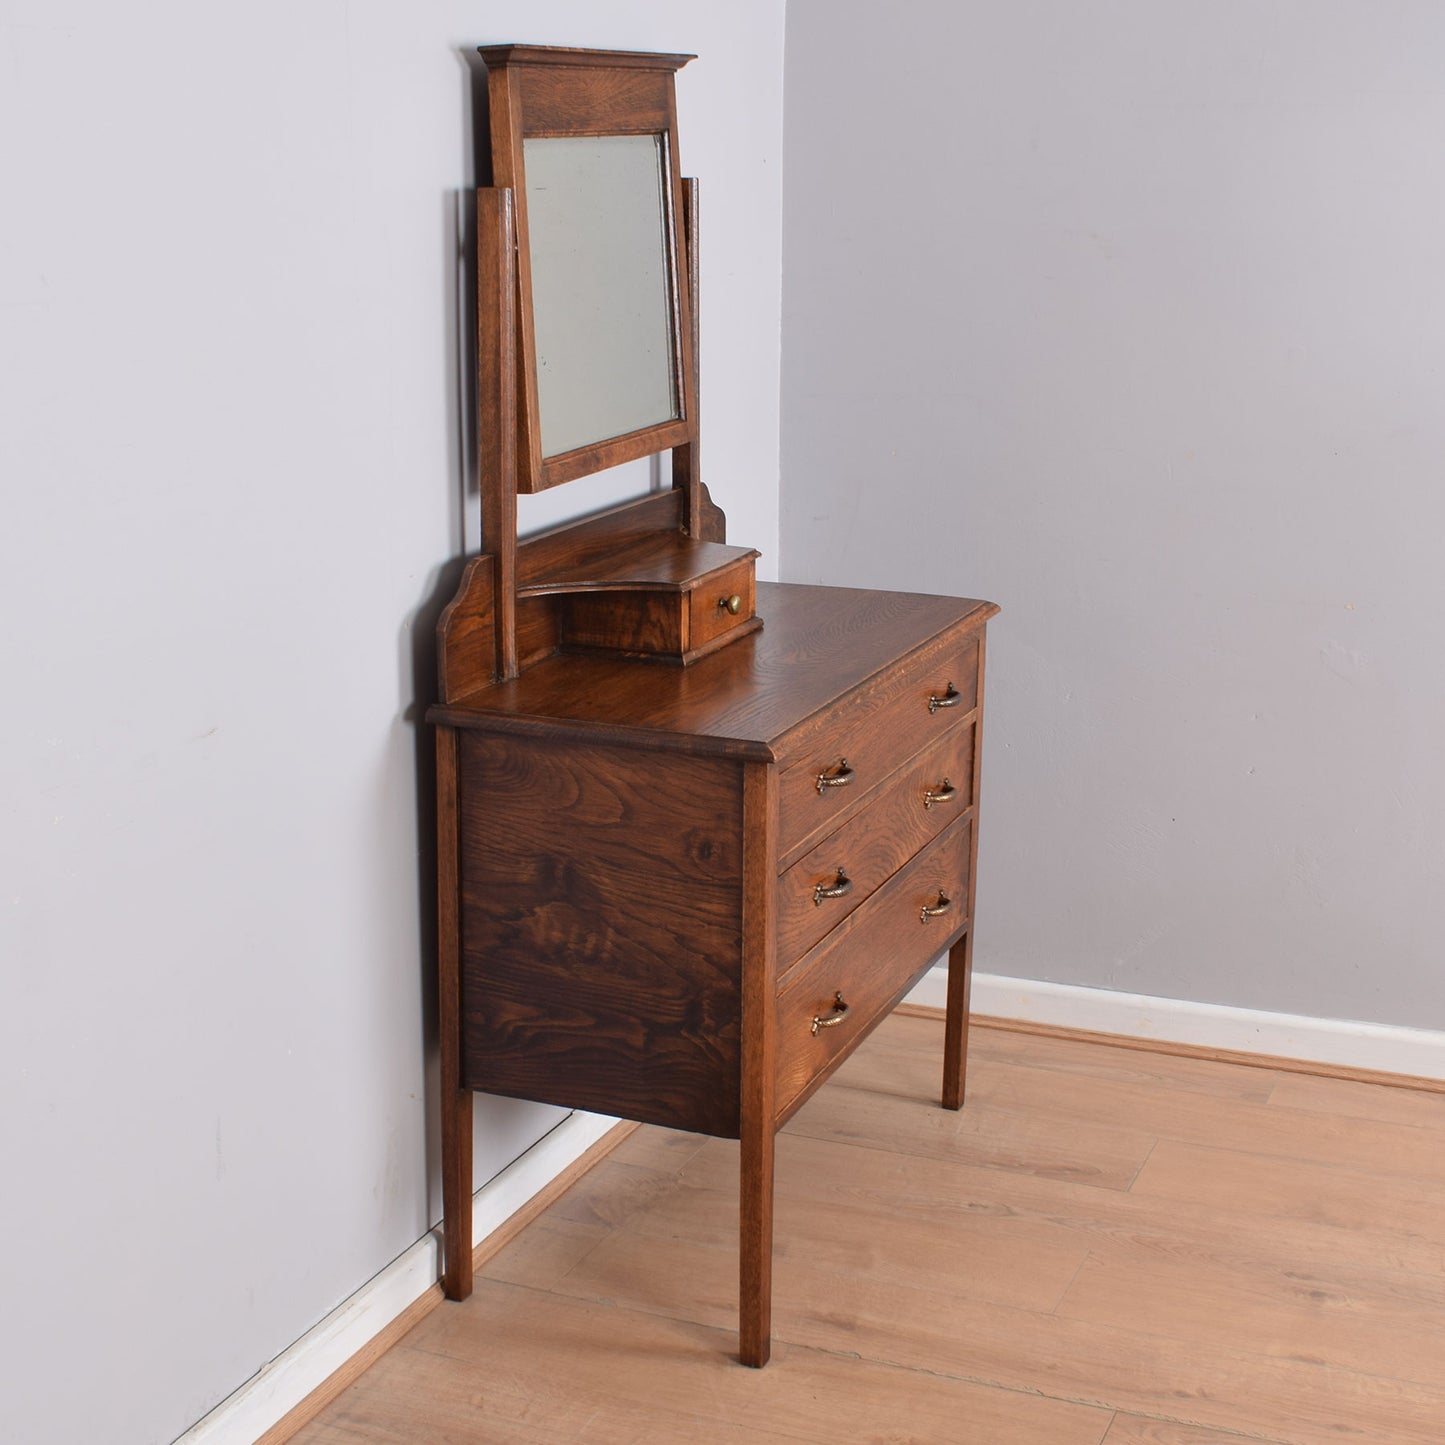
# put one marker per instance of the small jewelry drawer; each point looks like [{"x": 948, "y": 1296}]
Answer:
[
  {"x": 842, "y": 872},
  {"x": 724, "y": 601},
  {"x": 850, "y": 981}
]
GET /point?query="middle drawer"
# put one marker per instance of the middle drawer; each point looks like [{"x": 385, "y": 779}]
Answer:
[{"x": 826, "y": 884}]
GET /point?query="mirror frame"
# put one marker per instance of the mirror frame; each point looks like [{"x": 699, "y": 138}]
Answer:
[{"x": 547, "y": 91}]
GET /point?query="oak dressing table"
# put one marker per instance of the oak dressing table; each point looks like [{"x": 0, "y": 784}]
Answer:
[{"x": 697, "y": 834}]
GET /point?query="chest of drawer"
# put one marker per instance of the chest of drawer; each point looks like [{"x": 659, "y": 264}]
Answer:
[
  {"x": 820, "y": 890},
  {"x": 834, "y": 762},
  {"x": 849, "y": 982}
]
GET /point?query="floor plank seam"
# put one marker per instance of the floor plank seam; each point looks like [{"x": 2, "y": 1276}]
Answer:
[
  {"x": 1143, "y": 1164},
  {"x": 1073, "y": 1279}
]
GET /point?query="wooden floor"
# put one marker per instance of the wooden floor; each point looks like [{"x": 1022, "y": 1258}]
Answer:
[{"x": 1105, "y": 1248}]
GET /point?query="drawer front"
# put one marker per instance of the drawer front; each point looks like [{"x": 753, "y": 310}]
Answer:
[
  {"x": 833, "y": 762},
  {"x": 708, "y": 614},
  {"x": 869, "y": 961},
  {"x": 842, "y": 872}
]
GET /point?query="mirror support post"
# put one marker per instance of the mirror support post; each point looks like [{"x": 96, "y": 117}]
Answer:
[
  {"x": 497, "y": 409},
  {"x": 686, "y": 459}
]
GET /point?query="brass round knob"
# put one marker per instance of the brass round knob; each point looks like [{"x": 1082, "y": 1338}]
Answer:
[{"x": 733, "y": 604}]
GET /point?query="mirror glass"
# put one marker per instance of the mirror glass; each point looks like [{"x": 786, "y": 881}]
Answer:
[{"x": 601, "y": 286}]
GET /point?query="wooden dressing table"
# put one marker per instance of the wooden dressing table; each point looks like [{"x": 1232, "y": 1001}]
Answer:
[{"x": 698, "y": 834}]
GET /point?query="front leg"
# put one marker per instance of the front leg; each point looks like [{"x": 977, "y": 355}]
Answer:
[
  {"x": 955, "y": 1026},
  {"x": 755, "y": 1252}
]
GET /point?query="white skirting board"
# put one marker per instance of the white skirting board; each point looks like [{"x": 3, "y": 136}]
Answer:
[
  {"x": 1390, "y": 1048},
  {"x": 281, "y": 1385}
]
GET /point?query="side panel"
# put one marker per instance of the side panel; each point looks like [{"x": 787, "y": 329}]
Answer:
[{"x": 601, "y": 928}]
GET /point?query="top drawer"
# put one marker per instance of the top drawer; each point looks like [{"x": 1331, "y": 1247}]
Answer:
[{"x": 832, "y": 764}]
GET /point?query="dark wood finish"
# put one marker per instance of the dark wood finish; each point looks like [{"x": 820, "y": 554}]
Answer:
[
  {"x": 771, "y": 692},
  {"x": 656, "y": 596},
  {"x": 687, "y": 458},
  {"x": 955, "y": 1025},
  {"x": 960, "y": 956},
  {"x": 551, "y": 91},
  {"x": 622, "y": 883},
  {"x": 497, "y": 403},
  {"x": 581, "y": 871},
  {"x": 456, "y": 1098},
  {"x": 886, "y": 722},
  {"x": 720, "y": 605},
  {"x": 466, "y": 631},
  {"x": 630, "y": 854},
  {"x": 874, "y": 844},
  {"x": 672, "y": 606},
  {"x": 758, "y": 1088},
  {"x": 656, "y": 561},
  {"x": 872, "y": 960}
]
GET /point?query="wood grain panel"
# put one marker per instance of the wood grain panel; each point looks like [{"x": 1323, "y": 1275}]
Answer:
[
  {"x": 615, "y": 100},
  {"x": 571, "y": 994},
  {"x": 627, "y": 622},
  {"x": 870, "y": 848}
]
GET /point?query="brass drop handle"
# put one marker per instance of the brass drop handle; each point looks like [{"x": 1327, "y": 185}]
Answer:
[
  {"x": 945, "y": 792},
  {"x": 840, "y": 886},
  {"x": 733, "y": 604},
  {"x": 934, "y": 910},
  {"x": 833, "y": 1017},
  {"x": 840, "y": 777},
  {"x": 949, "y": 697}
]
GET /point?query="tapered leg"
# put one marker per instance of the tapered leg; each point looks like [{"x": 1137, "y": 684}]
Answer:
[
  {"x": 755, "y": 1294},
  {"x": 955, "y": 1027}
]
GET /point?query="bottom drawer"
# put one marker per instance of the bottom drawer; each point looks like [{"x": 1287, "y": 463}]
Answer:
[{"x": 835, "y": 995}]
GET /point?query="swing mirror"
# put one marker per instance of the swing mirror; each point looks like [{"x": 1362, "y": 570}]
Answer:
[{"x": 587, "y": 141}]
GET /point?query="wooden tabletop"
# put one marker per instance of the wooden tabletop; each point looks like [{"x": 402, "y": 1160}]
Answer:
[{"x": 816, "y": 644}]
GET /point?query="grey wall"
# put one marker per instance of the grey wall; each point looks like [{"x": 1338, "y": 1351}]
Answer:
[
  {"x": 229, "y": 422},
  {"x": 1130, "y": 316}
]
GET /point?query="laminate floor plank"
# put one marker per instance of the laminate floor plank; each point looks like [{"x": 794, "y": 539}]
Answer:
[
  {"x": 885, "y": 1109},
  {"x": 1182, "y": 1115},
  {"x": 988, "y": 1046},
  {"x": 1102, "y": 1249},
  {"x": 1007, "y": 1223},
  {"x": 1397, "y": 1212},
  {"x": 1347, "y": 1098},
  {"x": 1272, "y": 1312},
  {"x": 517, "y": 1364},
  {"x": 972, "y": 1257},
  {"x": 1129, "y": 1367}
]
